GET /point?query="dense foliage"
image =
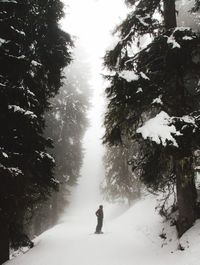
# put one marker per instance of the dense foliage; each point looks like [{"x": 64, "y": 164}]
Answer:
[
  {"x": 66, "y": 124},
  {"x": 154, "y": 93},
  {"x": 33, "y": 52}
]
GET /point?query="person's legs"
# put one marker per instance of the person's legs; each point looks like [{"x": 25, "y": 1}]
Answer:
[{"x": 99, "y": 225}]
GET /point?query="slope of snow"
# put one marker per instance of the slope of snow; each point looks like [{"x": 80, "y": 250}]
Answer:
[{"x": 131, "y": 238}]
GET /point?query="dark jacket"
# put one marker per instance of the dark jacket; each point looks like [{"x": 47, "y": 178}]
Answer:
[{"x": 99, "y": 213}]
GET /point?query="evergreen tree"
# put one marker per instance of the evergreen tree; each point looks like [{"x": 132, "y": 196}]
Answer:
[
  {"x": 155, "y": 88},
  {"x": 33, "y": 52},
  {"x": 120, "y": 183},
  {"x": 66, "y": 123}
]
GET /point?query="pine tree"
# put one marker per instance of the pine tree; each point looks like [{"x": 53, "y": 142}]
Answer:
[
  {"x": 119, "y": 184},
  {"x": 66, "y": 123},
  {"x": 33, "y": 52},
  {"x": 155, "y": 87}
]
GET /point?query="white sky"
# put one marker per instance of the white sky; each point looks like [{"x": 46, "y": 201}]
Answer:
[{"x": 92, "y": 22}]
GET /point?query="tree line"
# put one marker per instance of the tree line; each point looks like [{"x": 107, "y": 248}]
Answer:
[
  {"x": 66, "y": 123},
  {"x": 42, "y": 119}
]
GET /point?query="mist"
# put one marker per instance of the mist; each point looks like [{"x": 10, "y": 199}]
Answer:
[
  {"x": 94, "y": 35},
  {"x": 185, "y": 17}
]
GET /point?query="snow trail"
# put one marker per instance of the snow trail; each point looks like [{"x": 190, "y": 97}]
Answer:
[{"x": 131, "y": 238}]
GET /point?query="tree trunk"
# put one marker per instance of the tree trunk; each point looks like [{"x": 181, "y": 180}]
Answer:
[
  {"x": 169, "y": 14},
  {"x": 4, "y": 242},
  {"x": 186, "y": 194},
  {"x": 185, "y": 185}
]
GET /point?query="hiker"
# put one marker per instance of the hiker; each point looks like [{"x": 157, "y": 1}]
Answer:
[{"x": 99, "y": 214}]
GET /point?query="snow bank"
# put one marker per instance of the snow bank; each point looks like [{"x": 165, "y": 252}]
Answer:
[{"x": 137, "y": 236}]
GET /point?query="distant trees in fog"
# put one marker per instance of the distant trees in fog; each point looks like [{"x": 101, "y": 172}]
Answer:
[
  {"x": 66, "y": 123},
  {"x": 120, "y": 182}
]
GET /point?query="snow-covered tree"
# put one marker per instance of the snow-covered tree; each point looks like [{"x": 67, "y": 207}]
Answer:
[
  {"x": 33, "y": 52},
  {"x": 66, "y": 123},
  {"x": 154, "y": 96}
]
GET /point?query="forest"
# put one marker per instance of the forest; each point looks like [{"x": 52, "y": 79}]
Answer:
[
  {"x": 43, "y": 118},
  {"x": 151, "y": 90}
]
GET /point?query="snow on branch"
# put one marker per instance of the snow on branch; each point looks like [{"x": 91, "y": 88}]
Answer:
[
  {"x": 18, "y": 109},
  {"x": 2, "y": 41},
  {"x": 139, "y": 90},
  {"x": 8, "y": 1},
  {"x": 14, "y": 171},
  {"x": 4, "y": 154},
  {"x": 18, "y": 31},
  {"x": 129, "y": 76},
  {"x": 179, "y": 34},
  {"x": 171, "y": 40},
  {"x": 35, "y": 63},
  {"x": 143, "y": 20},
  {"x": 158, "y": 100},
  {"x": 144, "y": 76},
  {"x": 160, "y": 130},
  {"x": 44, "y": 155}
]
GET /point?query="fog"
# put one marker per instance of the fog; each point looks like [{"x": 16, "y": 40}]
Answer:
[
  {"x": 91, "y": 22},
  {"x": 186, "y": 18}
]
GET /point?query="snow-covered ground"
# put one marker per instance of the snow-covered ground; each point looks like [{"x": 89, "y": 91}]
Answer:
[{"x": 131, "y": 238}]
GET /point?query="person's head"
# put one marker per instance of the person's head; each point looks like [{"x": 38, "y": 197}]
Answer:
[{"x": 100, "y": 206}]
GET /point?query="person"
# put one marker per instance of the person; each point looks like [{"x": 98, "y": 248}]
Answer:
[{"x": 99, "y": 214}]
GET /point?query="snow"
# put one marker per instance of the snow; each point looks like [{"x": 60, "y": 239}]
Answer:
[
  {"x": 158, "y": 100},
  {"x": 16, "y": 108},
  {"x": 8, "y": 1},
  {"x": 18, "y": 31},
  {"x": 159, "y": 130},
  {"x": 35, "y": 63},
  {"x": 17, "y": 57},
  {"x": 144, "y": 76},
  {"x": 131, "y": 237},
  {"x": 2, "y": 41},
  {"x": 139, "y": 90},
  {"x": 113, "y": 43},
  {"x": 15, "y": 171},
  {"x": 182, "y": 29},
  {"x": 4, "y": 154},
  {"x": 57, "y": 116},
  {"x": 171, "y": 40},
  {"x": 32, "y": 73},
  {"x": 188, "y": 119},
  {"x": 45, "y": 155},
  {"x": 187, "y": 38},
  {"x": 129, "y": 76},
  {"x": 142, "y": 20},
  {"x": 71, "y": 140}
]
